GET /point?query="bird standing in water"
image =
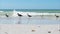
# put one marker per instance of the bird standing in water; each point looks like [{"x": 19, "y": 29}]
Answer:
[
  {"x": 57, "y": 16},
  {"x": 6, "y": 15},
  {"x": 29, "y": 15},
  {"x": 19, "y": 14},
  {"x": 19, "y": 22}
]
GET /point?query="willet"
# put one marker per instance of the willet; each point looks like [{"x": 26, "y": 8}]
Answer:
[
  {"x": 57, "y": 16},
  {"x": 29, "y": 15},
  {"x": 6, "y": 15},
  {"x": 19, "y": 14},
  {"x": 19, "y": 22}
]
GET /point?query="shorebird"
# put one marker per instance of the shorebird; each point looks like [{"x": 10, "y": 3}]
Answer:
[
  {"x": 19, "y": 14},
  {"x": 57, "y": 16},
  {"x": 6, "y": 15},
  {"x": 29, "y": 15},
  {"x": 19, "y": 18}
]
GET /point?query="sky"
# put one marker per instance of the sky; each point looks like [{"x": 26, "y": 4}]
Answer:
[{"x": 29, "y": 4}]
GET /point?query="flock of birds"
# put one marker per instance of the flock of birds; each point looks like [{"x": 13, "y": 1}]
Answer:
[
  {"x": 27, "y": 15},
  {"x": 18, "y": 15}
]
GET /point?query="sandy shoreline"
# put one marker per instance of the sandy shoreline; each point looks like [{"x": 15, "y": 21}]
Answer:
[{"x": 29, "y": 29}]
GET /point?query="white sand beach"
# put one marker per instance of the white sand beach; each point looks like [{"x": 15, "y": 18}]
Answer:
[{"x": 29, "y": 29}]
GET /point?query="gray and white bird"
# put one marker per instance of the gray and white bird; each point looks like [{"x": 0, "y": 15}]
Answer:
[
  {"x": 19, "y": 14},
  {"x": 6, "y": 15},
  {"x": 57, "y": 16},
  {"x": 29, "y": 15}
]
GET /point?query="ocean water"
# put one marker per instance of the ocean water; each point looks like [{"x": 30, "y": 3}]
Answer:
[
  {"x": 33, "y": 10},
  {"x": 24, "y": 20},
  {"x": 28, "y": 20}
]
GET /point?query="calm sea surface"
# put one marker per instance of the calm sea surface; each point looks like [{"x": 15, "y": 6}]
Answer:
[{"x": 33, "y": 10}]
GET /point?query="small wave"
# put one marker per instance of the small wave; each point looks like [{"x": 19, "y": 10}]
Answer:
[
  {"x": 1, "y": 11},
  {"x": 14, "y": 13}
]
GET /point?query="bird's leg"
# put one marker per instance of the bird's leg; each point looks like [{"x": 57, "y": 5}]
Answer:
[{"x": 19, "y": 22}]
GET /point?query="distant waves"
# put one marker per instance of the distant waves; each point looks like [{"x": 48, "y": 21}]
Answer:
[{"x": 27, "y": 14}]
